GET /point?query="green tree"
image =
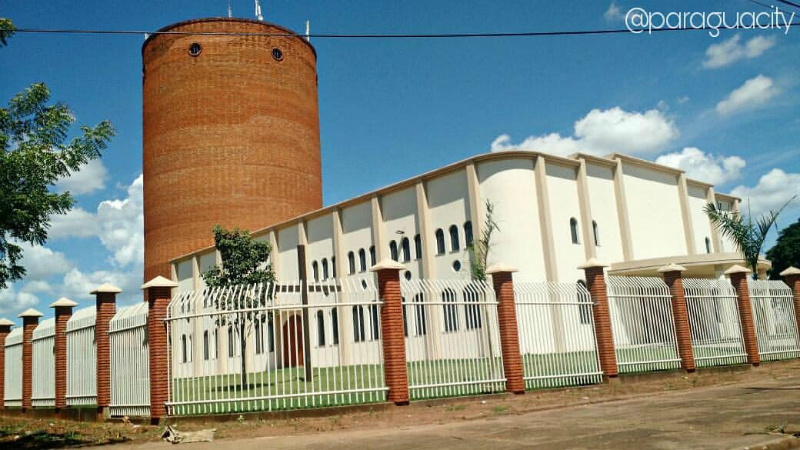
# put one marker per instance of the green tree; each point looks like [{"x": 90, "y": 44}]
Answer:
[
  {"x": 747, "y": 233},
  {"x": 246, "y": 266},
  {"x": 479, "y": 249},
  {"x": 786, "y": 251},
  {"x": 36, "y": 153}
]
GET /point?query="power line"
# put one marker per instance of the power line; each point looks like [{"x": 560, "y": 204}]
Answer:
[{"x": 787, "y": 2}]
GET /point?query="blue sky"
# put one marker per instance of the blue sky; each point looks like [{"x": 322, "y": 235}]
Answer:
[{"x": 724, "y": 108}]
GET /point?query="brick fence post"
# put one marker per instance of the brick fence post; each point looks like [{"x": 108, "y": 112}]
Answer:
[
  {"x": 503, "y": 282},
  {"x": 30, "y": 320},
  {"x": 5, "y": 328},
  {"x": 392, "y": 334},
  {"x": 63, "y": 310},
  {"x": 792, "y": 277},
  {"x": 158, "y": 293},
  {"x": 106, "y": 307},
  {"x": 739, "y": 275},
  {"x": 680, "y": 314},
  {"x": 596, "y": 284}
]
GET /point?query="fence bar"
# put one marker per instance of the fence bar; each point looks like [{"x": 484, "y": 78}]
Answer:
[
  {"x": 502, "y": 279},
  {"x": 738, "y": 275},
  {"x": 714, "y": 322},
  {"x": 30, "y": 320},
  {"x": 63, "y": 311},
  {"x": 81, "y": 358},
  {"x": 596, "y": 284},
  {"x": 774, "y": 320},
  {"x": 394, "y": 345},
  {"x": 792, "y": 277},
  {"x": 106, "y": 307},
  {"x": 130, "y": 362},
  {"x": 5, "y": 329},
  {"x": 158, "y": 292},
  {"x": 680, "y": 314}
]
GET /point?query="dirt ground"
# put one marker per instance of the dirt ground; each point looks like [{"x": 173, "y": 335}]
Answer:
[{"x": 22, "y": 433}]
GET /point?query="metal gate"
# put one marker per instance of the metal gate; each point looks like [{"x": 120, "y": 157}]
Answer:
[
  {"x": 714, "y": 322},
  {"x": 774, "y": 319}
]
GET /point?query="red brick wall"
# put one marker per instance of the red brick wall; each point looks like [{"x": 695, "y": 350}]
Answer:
[
  {"x": 106, "y": 308},
  {"x": 28, "y": 325},
  {"x": 680, "y": 316},
  {"x": 158, "y": 300},
  {"x": 63, "y": 314},
  {"x": 509, "y": 335},
  {"x": 596, "y": 283},
  {"x": 393, "y": 336},
  {"x": 4, "y": 330},
  {"x": 739, "y": 281},
  {"x": 230, "y": 136}
]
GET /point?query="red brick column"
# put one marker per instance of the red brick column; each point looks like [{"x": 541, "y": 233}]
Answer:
[
  {"x": 5, "y": 328},
  {"x": 30, "y": 320},
  {"x": 792, "y": 277},
  {"x": 106, "y": 307},
  {"x": 63, "y": 309},
  {"x": 738, "y": 275},
  {"x": 680, "y": 314},
  {"x": 158, "y": 293},
  {"x": 392, "y": 335},
  {"x": 503, "y": 282},
  {"x": 596, "y": 283}
]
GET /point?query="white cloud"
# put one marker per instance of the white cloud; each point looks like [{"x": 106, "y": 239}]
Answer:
[
  {"x": 714, "y": 169},
  {"x": 601, "y": 132},
  {"x": 37, "y": 286},
  {"x": 753, "y": 93},
  {"x": 774, "y": 189},
  {"x": 77, "y": 285},
  {"x": 730, "y": 51},
  {"x": 613, "y": 13},
  {"x": 41, "y": 262},
  {"x": 76, "y": 223},
  {"x": 90, "y": 178},
  {"x": 13, "y": 302},
  {"x": 121, "y": 224}
]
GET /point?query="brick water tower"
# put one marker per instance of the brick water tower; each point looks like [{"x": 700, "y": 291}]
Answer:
[{"x": 231, "y": 133}]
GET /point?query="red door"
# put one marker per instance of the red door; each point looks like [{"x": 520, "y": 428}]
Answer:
[{"x": 293, "y": 342}]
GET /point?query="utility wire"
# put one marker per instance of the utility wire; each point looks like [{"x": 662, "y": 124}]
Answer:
[{"x": 787, "y": 2}]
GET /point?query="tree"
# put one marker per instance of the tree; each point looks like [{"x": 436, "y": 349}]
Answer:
[
  {"x": 245, "y": 267},
  {"x": 36, "y": 154},
  {"x": 480, "y": 248},
  {"x": 786, "y": 251},
  {"x": 747, "y": 234}
]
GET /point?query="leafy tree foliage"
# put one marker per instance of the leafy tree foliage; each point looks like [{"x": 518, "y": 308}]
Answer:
[
  {"x": 786, "y": 251},
  {"x": 6, "y": 30}
]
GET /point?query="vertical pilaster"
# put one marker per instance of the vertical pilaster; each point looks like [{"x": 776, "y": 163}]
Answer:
[
  {"x": 5, "y": 328},
  {"x": 792, "y": 277},
  {"x": 622, "y": 212},
  {"x": 30, "y": 320},
  {"x": 392, "y": 334},
  {"x": 158, "y": 293},
  {"x": 596, "y": 284},
  {"x": 503, "y": 282},
  {"x": 686, "y": 215},
  {"x": 680, "y": 314},
  {"x": 105, "y": 307},
  {"x": 738, "y": 275},
  {"x": 63, "y": 311}
]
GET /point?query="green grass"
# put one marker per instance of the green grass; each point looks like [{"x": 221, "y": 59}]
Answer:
[{"x": 554, "y": 370}]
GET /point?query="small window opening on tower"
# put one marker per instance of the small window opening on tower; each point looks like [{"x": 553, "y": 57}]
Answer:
[
  {"x": 277, "y": 54},
  {"x": 195, "y": 49}
]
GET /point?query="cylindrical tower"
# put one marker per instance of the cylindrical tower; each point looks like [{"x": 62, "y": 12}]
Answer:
[{"x": 231, "y": 133}]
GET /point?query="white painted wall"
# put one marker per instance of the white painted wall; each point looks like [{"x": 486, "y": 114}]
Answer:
[
  {"x": 562, "y": 188},
  {"x": 447, "y": 199},
  {"x": 288, "y": 241},
  {"x": 184, "y": 271},
  {"x": 600, "y": 181},
  {"x": 700, "y": 222},
  {"x": 319, "y": 232},
  {"x": 400, "y": 215}
]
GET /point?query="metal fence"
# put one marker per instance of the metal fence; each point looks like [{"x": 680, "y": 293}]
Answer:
[
  {"x": 642, "y": 324},
  {"x": 774, "y": 319},
  {"x": 44, "y": 364},
  {"x": 13, "y": 369},
  {"x": 273, "y": 347},
  {"x": 452, "y": 338},
  {"x": 130, "y": 362},
  {"x": 714, "y": 322},
  {"x": 556, "y": 334},
  {"x": 81, "y": 358}
]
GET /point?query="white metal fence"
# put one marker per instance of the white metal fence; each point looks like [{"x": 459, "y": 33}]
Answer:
[
  {"x": 642, "y": 324},
  {"x": 13, "y": 369},
  {"x": 774, "y": 319},
  {"x": 44, "y": 365},
  {"x": 556, "y": 334},
  {"x": 130, "y": 362},
  {"x": 452, "y": 338},
  {"x": 81, "y": 358},
  {"x": 714, "y": 322},
  {"x": 271, "y": 347}
]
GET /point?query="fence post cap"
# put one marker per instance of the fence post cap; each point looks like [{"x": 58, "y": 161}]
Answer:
[
  {"x": 106, "y": 288},
  {"x": 387, "y": 264},
  {"x": 30, "y": 312},
  {"x": 591, "y": 263},
  {"x": 792, "y": 270},
  {"x": 159, "y": 281},
  {"x": 672, "y": 267},
  {"x": 63, "y": 301},
  {"x": 737, "y": 269},
  {"x": 500, "y": 268},
  {"x": 5, "y": 322}
]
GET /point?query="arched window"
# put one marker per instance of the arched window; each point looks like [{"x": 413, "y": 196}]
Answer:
[
  {"x": 358, "y": 323},
  {"x": 230, "y": 342},
  {"x": 393, "y": 250},
  {"x": 374, "y": 322},
  {"x": 270, "y": 334},
  {"x": 333, "y": 266},
  {"x": 206, "y": 350},
  {"x": 324, "y": 268},
  {"x": 585, "y": 311},
  {"x": 315, "y": 270},
  {"x": 439, "y": 242},
  {"x": 335, "y": 326},
  {"x": 573, "y": 228},
  {"x": 405, "y": 319},
  {"x": 468, "y": 234},
  {"x": 708, "y": 245},
  {"x": 417, "y": 246},
  {"x": 419, "y": 316},
  {"x": 372, "y": 255},
  {"x": 454, "y": 244},
  {"x": 184, "y": 354},
  {"x": 351, "y": 263},
  {"x": 405, "y": 245},
  {"x": 362, "y": 260},
  {"x": 450, "y": 311},
  {"x": 596, "y": 233},
  {"x": 259, "y": 337},
  {"x": 320, "y": 329},
  {"x": 472, "y": 313}
]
